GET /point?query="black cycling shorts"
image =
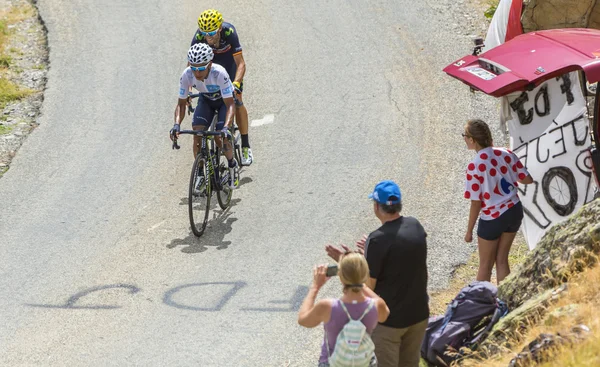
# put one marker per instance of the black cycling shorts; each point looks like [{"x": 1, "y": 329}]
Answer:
[{"x": 205, "y": 111}]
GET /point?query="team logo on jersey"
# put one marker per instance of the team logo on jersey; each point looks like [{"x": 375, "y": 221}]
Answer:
[
  {"x": 213, "y": 88},
  {"x": 229, "y": 31},
  {"x": 181, "y": 91},
  {"x": 504, "y": 188}
]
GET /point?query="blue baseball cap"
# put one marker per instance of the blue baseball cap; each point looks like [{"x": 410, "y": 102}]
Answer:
[{"x": 387, "y": 193}]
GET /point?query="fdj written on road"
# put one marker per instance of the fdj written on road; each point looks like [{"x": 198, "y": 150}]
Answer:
[
  {"x": 549, "y": 131},
  {"x": 215, "y": 295}
]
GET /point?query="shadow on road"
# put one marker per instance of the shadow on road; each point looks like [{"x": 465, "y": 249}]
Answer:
[
  {"x": 245, "y": 180},
  {"x": 218, "y": 226}
]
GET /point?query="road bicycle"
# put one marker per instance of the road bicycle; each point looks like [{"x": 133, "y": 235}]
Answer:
[{"x": 210, "y": 174}]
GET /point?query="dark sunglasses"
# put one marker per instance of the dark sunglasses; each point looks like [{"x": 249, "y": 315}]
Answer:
[{"x": 465, "y": 135}]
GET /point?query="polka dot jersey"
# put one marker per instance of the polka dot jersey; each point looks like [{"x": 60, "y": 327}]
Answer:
[{"x": 492, "y": 179}]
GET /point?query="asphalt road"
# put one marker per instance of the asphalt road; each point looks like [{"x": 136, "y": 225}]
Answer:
[{"x": 97, "y": 262}]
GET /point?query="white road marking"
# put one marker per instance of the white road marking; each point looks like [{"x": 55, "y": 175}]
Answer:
[{"x": 268, "y": 119}]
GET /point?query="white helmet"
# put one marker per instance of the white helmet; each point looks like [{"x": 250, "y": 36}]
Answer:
[{"x": 200, "y": 53}]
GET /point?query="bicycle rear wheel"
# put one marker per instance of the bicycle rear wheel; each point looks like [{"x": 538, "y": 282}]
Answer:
[
  {"x": 223, "y": 195},
  {"x": 200, "y": 191},
  {"x": 237, "y": 146}
]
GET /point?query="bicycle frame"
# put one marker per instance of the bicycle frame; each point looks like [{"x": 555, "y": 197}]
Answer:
[
  {"x": 211, "y": 162},
  {"x": 210, "y": 155},
  {"x": 235, "y": 141}
]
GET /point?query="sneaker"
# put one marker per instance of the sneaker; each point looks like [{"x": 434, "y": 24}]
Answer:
[
  {"x": 246, "y": 156},
  {"x": 234, "y": 176},
  {"x": 199, "y": 187}
]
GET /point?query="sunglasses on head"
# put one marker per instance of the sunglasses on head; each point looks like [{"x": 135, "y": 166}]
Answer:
[
  {"x": 210, "y": 34},
  {"x": 199, "y": 68}
]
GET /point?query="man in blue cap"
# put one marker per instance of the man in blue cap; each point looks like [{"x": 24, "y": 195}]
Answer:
[{"x": 397, "y": 256}]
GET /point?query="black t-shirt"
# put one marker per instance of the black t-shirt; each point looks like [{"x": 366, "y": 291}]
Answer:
[{"x": 397, "y": 257}]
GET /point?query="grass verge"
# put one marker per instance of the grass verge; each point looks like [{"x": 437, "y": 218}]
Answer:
[
  {"x": 578, "y": 306},
  {"x": 9, "y": 91},
  {"x": 5, "y": 129}
]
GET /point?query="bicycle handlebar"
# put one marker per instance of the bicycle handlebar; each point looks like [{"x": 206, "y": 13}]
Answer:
[{"x": 197, "y": 133}]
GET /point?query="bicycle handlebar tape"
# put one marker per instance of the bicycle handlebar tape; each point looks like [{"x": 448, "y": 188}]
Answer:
[
  {"x": 175, "y": 145},
  {"x": 174, "y": 136}
]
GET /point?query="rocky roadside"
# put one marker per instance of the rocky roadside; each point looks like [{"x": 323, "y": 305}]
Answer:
[{"x": 27, "y": 49}]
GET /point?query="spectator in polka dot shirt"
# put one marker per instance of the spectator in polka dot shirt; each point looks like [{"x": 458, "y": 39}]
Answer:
[{"x": 492, "y": 180}]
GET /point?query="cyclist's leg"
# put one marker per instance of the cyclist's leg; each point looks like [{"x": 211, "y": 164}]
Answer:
[
  {"x": 203, "y": 116},
  {"x": 241, "y": 117},
  {"x": 227, "y": 148}
]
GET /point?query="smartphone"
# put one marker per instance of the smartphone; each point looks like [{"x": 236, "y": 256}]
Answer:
[{"x": 332, "y": 270}]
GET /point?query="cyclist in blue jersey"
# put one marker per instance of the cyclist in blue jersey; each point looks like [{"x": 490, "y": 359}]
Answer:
[
  {"x": 223, "y": 39},
  {"x": 216, "y": 94}
]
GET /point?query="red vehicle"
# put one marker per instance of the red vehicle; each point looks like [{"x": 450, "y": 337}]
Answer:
[{"x": 528, "y": 60}]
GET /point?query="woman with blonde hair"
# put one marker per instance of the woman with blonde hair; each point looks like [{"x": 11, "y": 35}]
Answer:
[{"x": 357, "y": 301}]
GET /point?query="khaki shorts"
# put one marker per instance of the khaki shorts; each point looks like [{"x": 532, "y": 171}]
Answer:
[{"x": 399, "y": 347}]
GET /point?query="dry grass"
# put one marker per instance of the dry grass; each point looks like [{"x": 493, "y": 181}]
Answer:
[
  {"x": 17, "y": 14},
  {"x": 579, "y": 306},
  {"x": 5, "y": 129},
  {"x": 9, "y": 91}
]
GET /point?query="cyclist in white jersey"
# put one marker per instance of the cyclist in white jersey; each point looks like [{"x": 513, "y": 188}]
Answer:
[{"x": 216, "y": 94}]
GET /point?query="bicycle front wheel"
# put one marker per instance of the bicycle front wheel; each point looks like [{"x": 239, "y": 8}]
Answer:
[{"x": 199, "y": 195}]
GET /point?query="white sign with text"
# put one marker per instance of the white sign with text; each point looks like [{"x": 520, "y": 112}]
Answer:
[{"x": 549, "y": 132}]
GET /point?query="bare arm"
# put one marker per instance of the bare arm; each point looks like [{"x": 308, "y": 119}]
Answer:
[
  {"x": 527, "y": 180},
  {"x": 180, "y": 110},
  {"x": 473, "y": 215},
  {"x": 371, "y": 282},
  {"x": 241, "y": 67},
  {"x": 311, "y": 314},
  {"x": 382, "y": 309},
  {"x": 230, "y": 111}
]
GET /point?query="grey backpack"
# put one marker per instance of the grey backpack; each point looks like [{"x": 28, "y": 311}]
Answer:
[{"x": 467, "y": 321}]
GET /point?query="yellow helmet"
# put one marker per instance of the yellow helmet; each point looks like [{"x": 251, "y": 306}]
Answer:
[{"x": 210, "y": 20}]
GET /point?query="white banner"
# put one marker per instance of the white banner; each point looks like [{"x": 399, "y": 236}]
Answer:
[{"x": 549, "y": 132}]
